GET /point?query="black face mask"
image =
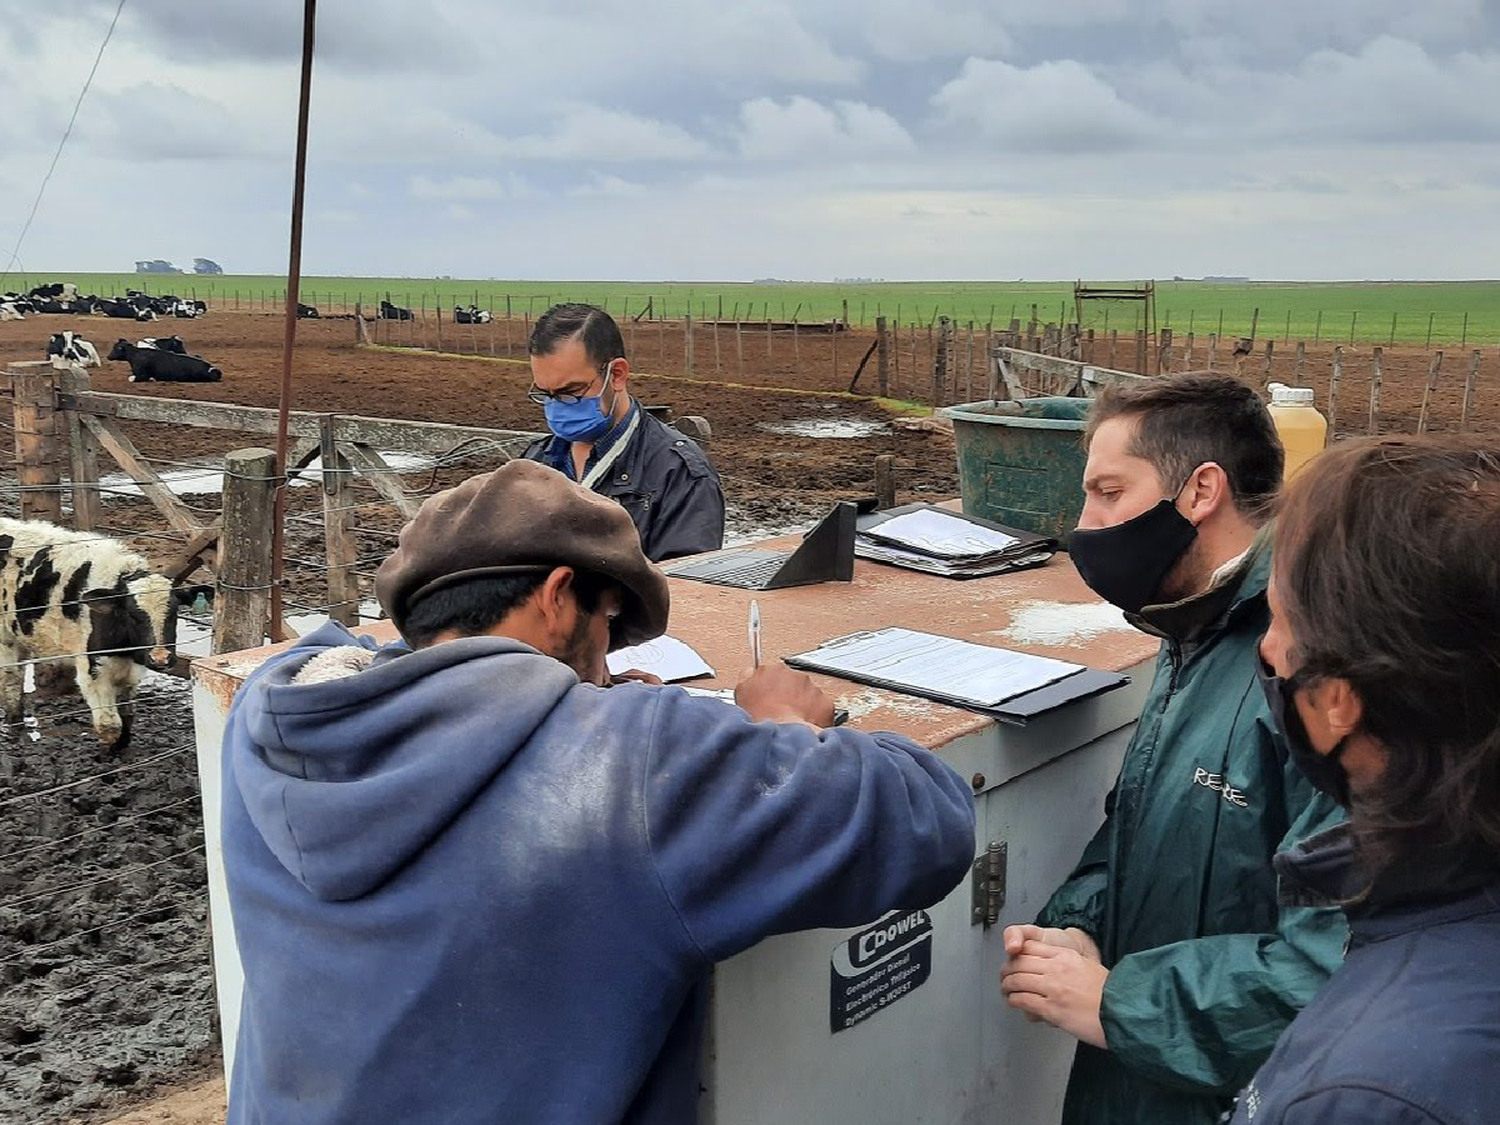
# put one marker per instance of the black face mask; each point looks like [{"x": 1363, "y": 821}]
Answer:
[
  {"x": 1126, "y": 564},
  {"x": 1324, "y": 771}
]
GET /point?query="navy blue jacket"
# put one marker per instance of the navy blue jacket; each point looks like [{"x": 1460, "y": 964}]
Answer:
[
  {"x": 662, "y": 479},
  {"x": 1407, "y": 1032},
  {"x": 468, "y": 888}
]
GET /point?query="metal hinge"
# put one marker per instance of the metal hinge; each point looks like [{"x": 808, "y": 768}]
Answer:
[{"x": 989, "y": 885}]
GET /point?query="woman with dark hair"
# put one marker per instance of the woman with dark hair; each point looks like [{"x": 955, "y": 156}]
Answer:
[{"x": 1382, "y": 667}]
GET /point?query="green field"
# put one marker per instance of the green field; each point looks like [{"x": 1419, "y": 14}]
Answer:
[{"x": 1466, "y": 311}]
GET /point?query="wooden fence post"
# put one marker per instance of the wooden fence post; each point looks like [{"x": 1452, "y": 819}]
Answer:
[
  {"x": 882, "y": 358},
  {"x": 1463, "y": 420},
  {"x": 885, "y": 481},
  {"x": 39, "y": 452},
  {"x": 1432, "y": 377},
  {"x": 940, "y": 361},
  {"x": 1333, "y": 391},
  {"x": 1213, "y": 350},
  {"x": 1270, "y": 348},
  {"x": 1377, "y": 357},
  {"x": 1301, "y": 368},
  {"x": 243, "y": 601},
  {"x": 83, "y": 456},
  {"x": 1164, "y": 352},
  {"x": 969, "y": 365},
  {"x": 340, "y": 527},
  {"x": 687, "y": 341}
]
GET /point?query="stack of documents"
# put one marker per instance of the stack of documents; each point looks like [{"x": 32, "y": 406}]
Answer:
[
  {"x": 931, "y": 539},
  {"x": 1001, "y": 682}
]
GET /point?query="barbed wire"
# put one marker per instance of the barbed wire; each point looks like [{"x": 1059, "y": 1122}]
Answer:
[
  {"x": 48, "y": 844},
  {"x": 114, "y": 877},
  {"x": 32, "y": 951},
  {"x": 37, "y": 794}
]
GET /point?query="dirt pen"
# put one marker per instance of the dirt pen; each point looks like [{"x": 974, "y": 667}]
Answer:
[{"x": 105, "y": 983}]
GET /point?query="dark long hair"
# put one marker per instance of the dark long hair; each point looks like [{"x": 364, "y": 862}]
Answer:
[{"x": 1388, "y": 569}]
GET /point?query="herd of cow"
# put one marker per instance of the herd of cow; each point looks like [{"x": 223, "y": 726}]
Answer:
[
  {"x": 62, "y": 298},
  {"x": 155, "y": 359}
]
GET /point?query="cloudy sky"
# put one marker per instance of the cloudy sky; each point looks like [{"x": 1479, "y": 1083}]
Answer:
[{"x": 806, "y": 139}]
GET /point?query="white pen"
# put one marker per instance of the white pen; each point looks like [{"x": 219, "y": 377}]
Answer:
[{"x": 755, "y": 632}]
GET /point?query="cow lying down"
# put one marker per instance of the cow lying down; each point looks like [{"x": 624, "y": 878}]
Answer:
[
  {"x": 84, "y": 602},
  {"x": 153, "y": 363}
]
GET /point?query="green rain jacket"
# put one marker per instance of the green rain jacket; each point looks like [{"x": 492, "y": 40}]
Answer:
[{"x": 1177, "y": 888}]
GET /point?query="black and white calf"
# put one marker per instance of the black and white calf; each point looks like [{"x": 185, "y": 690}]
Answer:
[
  {"x": 9, "y": 310},
  {"x": 471, "y": 315},
  {"x": 148, "y": 364},
  {"x": 85, "y": 602},
  {"x": 70, "y": 348}
]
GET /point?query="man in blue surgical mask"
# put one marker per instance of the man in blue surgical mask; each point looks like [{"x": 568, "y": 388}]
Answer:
[
  {"x": 602, "y": 439},
  {"x": 1167, "y": 953}
]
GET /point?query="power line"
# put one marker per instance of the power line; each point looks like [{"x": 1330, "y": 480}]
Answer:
[{"x": 68, "y": 132}]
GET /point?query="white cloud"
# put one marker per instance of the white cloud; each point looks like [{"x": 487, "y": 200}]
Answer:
[
  {"x": 457, "y": 187},
  {"x": 608, "y": 186},
  {"x": 593, "y": 133},
  {"x": 801, "y": 128},
  {"x": 1057, "y": 107}
]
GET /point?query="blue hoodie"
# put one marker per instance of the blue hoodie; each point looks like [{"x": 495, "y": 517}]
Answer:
[{"x": 468, "y": 888}]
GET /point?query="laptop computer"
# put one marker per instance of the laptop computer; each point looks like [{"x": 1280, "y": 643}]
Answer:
[{"x": 826, "y": 554}]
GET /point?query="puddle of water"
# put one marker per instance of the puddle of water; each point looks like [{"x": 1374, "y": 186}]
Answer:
[
  {"x": 827, "y": 427},
  {"x": 209, "y": 479}
]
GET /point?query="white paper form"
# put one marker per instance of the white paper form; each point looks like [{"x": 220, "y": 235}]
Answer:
[
  {"x": 939, "y": 666},
  {"x": 941, "y": 534},
  {"x": 666, "y": 658}
]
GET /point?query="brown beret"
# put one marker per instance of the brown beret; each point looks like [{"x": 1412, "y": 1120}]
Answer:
[{"x": 524, "y": 516}]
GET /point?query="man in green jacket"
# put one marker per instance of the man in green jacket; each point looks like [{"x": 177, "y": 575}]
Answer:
[{"x": 1166, "y": 953}]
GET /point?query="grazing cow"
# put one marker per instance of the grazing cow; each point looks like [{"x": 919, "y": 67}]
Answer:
[
  {"x": 69, "y": 348},
  {"x": 471, "y": 315},
  {"x": 172, "y": 344},
  {"x": 87, "y": 601},
  {"x": 307, "y": 312},
  {"x": 389, "y": 311},
  {"x": 147, "y": 364}
]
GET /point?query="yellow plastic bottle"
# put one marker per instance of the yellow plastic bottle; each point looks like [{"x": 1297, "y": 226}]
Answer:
[{"x": 1303, "y": 430}]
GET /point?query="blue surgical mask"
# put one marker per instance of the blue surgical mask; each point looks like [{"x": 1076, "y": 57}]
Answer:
[{"x": 583, "y": 421}]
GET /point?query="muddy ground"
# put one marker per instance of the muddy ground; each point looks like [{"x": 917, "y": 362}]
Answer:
[{"x": 105, "y": 987}]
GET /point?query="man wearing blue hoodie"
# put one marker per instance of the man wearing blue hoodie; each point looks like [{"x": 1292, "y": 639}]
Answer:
[{"x": 471, "y": 884}]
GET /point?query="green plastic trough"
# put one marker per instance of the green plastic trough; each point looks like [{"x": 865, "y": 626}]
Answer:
[{"x": 1021, "y": 463}]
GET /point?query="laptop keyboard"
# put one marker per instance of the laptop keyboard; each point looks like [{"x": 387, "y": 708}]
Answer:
[{"x": 751, "y": 574}]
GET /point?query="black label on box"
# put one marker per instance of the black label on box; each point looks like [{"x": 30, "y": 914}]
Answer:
[{"x": 878, "y": 966}]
